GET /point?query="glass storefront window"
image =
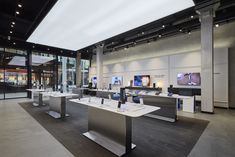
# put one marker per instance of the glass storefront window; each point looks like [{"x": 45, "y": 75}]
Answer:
[
  {"x": 43, "y": 70},
  {"x": 85, "y": 72},
  {"x": 66, "y": 73}
]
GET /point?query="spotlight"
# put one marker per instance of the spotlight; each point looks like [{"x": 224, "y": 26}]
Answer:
[
  {"x": 20, "y": 5},
  {"x": 217, "y": 25},
  {"x": 12, "y": 26},
  {"x": 192, "y": 17},
  {"x": 17, "y": 12},
  {"x": 14, "y": 43},
  {"x": 180, "y": 30},
  {"x": 159, "y": 35},
  {"x": 11, "y": 32},
  {"x": 13, "y": 22},
  {"x": 142, "y": 33},
  {"x": 163, "y": 26}
]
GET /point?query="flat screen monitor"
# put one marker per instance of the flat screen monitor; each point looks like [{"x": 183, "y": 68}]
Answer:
[
  {"x": 142, "y": 80},
  {"x": 117, "y": 80},
  {"x": 94, "y": 80},
  {"x": 189, "y": 79}
]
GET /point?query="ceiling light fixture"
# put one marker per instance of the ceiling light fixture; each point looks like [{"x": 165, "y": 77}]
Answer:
[
  {"x": 13, "y": 22},
  {"x": 159, "y": 35},
  {"x": 189, "y": 32},
  {"x": 180, "y": 30},
  {"x": 20, "y": 5},
  {"x": 12, "y": 26},
  {"x": 142, "y": 33},
  {"x": 14, "y": 43},
  {"x": 163, "y": 26},
  {"x": 48, "y": 49},
  {"x": 64, "y": 12},
  {"x": 192, "y": 17},
  {"x": 11, "y": 32},
  {"x": 17, "y": 12},
  {"x": 217, "y": 25}
]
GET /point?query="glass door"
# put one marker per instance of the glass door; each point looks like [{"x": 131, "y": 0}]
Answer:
[
  {"x": 15, "y": 82},
  {"x": 1, "y": 83}
]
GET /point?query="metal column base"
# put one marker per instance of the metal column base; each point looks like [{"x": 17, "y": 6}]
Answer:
[
  {"x": 107, "y": 143},
  {"x": 56, "y": 115}
]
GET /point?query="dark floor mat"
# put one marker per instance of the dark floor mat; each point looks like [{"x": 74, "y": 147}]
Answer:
[{"x": 154, "y": 138}]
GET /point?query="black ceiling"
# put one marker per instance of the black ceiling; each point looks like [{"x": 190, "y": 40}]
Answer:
[{"x": 33, "y": 11}]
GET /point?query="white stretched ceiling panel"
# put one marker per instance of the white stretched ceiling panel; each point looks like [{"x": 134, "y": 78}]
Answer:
[{"x": 75, "y": 24}]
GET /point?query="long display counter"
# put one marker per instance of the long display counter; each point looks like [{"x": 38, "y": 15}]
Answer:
[{"x": 110, "y": 126}]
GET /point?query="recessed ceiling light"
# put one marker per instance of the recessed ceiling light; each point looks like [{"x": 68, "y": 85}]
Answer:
[
  {"x": 163, "y": 26},
  {"x": 180, "y": 30},
  {"x": 48, "y": 49},
  {"x": 20, "y": 5},
  {"x": 142, "y": 33},
  {"x": 13, "y": 22},
  {"x": 12, "y": 26},
  {"x": 33, "y": 46},
  {"x": 217, "y": 25},
  {"x": 14, "y": 43},
  {"x": 192, "y": 17},
  {"x": 159, "y": 35},
  {"x": 17, "y": 12},
  {"x": 11, "y": 32}
]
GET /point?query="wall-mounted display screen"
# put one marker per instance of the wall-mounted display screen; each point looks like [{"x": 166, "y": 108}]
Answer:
[
  {"x": 142, "y": 80},
  {"x": 94, "y": 80},
  {"x": 189, "y": 79},
  {"x": 117, "y": 80}
]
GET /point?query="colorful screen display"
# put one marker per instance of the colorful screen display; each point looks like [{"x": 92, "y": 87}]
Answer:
[
  {"x": 189, "y": 79},
  {"x": 117, "y": 80},
  {"x": 142, "y": 80}
]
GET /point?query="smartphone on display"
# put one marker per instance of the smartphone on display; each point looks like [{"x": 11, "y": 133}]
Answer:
[{"x": 119, "y": 104}]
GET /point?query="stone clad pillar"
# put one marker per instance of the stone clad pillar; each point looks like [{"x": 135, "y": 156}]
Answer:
[
  {"x": 78, "y": 70},
  {"x": 207, "y": 56},
  {"x": 99, "y": 65}
]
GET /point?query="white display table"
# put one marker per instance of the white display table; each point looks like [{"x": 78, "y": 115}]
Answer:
[
  {"x": 188, "y": 101},
  {"x": 33, "y": 92},
  {"x": 110, "y": 126},
  {"x": 57, "y": 103}
]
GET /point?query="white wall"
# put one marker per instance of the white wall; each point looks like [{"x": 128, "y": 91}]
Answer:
[
  {"x": 162, "y": 70},
  {"x": 165, "y": 58}
]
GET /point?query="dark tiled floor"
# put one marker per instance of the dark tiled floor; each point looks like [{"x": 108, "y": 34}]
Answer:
[{"x": 152, "y": 137}]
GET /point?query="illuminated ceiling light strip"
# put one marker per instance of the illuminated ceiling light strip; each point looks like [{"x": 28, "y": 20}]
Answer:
[{"x": 71, "y": 25}]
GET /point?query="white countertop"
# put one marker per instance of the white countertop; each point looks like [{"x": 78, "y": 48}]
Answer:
[
  {"x": 58, "y": 94},
  {"x": 105, "y": 90},
  {"x": 128, "y": 109},
  {"x": 36, "y": 90},
  {"x": 176, "y": 96}
]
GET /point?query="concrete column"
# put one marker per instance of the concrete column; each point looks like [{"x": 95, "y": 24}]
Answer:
[
  {"x": 78, "y": 70},
  {"x": 207, "y": 57},
  {"x": 99, "y": 65},
  {"x": 207, "y": 54},
  {"x": 64, "y": 73}
]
